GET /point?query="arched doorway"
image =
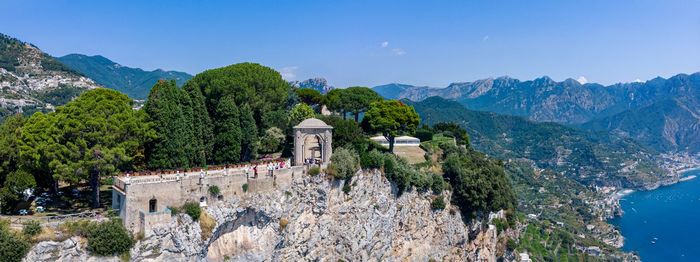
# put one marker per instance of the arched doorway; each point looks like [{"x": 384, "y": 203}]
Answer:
[
  {"x": 152, "y": 205},
  {"x": 313, "y": 148}
]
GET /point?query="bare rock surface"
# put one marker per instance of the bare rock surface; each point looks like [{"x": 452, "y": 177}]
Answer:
[{"x": 314, "y": 220}]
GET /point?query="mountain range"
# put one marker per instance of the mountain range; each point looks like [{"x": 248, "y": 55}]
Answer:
[
  {"x": 619, "y": 108},
  {"x": 134, "y": 82}
]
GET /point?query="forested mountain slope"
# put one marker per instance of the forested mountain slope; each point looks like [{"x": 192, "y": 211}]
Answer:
[
  {"x": 134, "y": 82},
  {"x": 587, "y": 157}
]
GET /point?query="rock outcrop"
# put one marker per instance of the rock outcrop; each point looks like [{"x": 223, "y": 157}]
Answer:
[{"x": 314, "y": 220}]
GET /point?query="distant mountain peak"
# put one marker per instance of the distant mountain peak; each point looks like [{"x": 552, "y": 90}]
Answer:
[{"x": 319, "y": 84}]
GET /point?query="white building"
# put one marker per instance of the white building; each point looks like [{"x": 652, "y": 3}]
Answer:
[{"x": 398, "y": 141}]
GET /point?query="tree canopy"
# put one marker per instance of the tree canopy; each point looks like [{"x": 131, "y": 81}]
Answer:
[
  {"x": 169, "y": 112},
  {"x": 309, "y": 96},
  {"x": 95, "y": 135},
  {"x": 261, "y": 87},
  {"x": 357, "y": 100},
  {"x": 299, "y": 113},
  {"x": 391, "y": 118}
]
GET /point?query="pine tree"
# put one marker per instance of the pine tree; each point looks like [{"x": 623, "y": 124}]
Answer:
[{"x": 227, "y": 145}]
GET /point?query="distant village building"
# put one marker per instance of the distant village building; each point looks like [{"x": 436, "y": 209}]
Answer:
[
  {"x": 398, "y": 141},
  {"x": 144, "y": 199}
]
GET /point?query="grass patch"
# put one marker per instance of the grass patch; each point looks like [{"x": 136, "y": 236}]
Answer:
[
  {"x": 207, "y": 224},
  {"x": 283, "y": 223}
]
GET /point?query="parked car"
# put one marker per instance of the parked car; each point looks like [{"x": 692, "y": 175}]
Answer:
[
  {"x": 23, "y": 212},
  {"x": 40, "y": 209}
]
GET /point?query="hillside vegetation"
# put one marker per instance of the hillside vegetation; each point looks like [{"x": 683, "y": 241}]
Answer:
[{"x": 587, "y": 157}]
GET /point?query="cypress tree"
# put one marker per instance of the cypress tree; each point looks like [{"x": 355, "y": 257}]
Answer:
[
  {"x": 250, "y": 134},
  {"x": 200, "y": 125},
  {"x": 227, "y": 145},
  {"x": 170, "y": 123}
]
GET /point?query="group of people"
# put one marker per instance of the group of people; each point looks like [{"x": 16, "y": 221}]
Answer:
[
  {"x": 312, "y": 161},
  {"x": 253, "y": 168}
]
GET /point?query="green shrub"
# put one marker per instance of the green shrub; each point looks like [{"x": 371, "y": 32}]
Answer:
[
  {"x": 345, "y": 163},
  {"x": 438, "y": 203},
  {"x": 479, "y": 184},
  {"x": 347, "y": 186},
  {"x": 31, "y": 228},
  {"x": 109, "y": 238},
  {"x": 12, "y": 246},
  {"x": 174, "y": 210},
  {"x": 500, "y": 224},
  {"x": 192, "y": 209},
  {"x": 438, "y": 184},
  {"x": 245, "y": 187},
  {"x": 372, "y": 159},
  {"x": 314, "y": 171},
  {"x": 214, "y": 191},
  {"x": 511, "y": 245}
]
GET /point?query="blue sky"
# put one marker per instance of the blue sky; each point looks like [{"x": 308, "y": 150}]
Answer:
[{"x": 376, "y": 42}]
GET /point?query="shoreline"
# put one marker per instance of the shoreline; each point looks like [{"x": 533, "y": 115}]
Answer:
[{"x": 680, "y": 176}]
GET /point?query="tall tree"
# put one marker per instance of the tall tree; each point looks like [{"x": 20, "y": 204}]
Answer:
[
  {"x": 299, "y": 113},
  {"x": 227, "y": 145},
  {"x": 333, "y": 100},
  {"x": 200, "y": 125},
  {"x": 309, "y": 96},
  {"x": 262, "y": 88},
  {"x": 95, "y": 135},
  {"x": 167, "y": 112},
  {"x": 249, "y": 132},
  {"x": 357, "y": 100},
  {"x": 391, "y": 118},
  {"x": 9, "y": 145}
]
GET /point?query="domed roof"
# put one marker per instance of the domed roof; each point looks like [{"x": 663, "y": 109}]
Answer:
[{"x": 312, "y": 123}]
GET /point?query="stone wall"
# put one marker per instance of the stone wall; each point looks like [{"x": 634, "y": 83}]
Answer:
[{"x": 176, "y": 192}]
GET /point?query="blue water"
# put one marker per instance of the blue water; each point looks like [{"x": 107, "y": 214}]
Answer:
[{"x": 671, "y": 214}]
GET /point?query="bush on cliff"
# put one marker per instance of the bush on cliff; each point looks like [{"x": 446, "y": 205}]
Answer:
[
  {"x": 192, "y": 209},
  {"x": 31, "y": 228},
  {"x": 345, "y": 162},
  {"x": 479, "y": 184},
  {"x": 109, "y": 238},
  {"x": 13, "y": 247}
]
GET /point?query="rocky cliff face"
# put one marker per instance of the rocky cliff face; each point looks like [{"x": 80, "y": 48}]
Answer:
[{"x": 313, "y": 220}]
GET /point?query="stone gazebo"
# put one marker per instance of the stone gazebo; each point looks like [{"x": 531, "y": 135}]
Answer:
[{"x": 312, "y": 140}]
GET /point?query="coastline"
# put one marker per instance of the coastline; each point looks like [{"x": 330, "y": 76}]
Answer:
[{"x": 679, "y": 175}]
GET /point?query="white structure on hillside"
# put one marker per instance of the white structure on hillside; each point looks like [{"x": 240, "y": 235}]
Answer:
[
  {"x": 312, "y": 142},
  {"x": 398, "y": 141}
]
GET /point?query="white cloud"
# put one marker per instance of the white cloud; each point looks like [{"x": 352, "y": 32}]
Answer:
[
  {"x": 486, "y": 38},
  {"x": 638, "y": 80},
  {"x": 289, "y": 72},
  {"x": 398, "y": 51},
  {"x": 582, "y": 80},
  {"x": 385, "y": 44}
]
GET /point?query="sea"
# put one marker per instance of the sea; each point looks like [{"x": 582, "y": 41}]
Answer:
[{"x": 663, "y": 224}]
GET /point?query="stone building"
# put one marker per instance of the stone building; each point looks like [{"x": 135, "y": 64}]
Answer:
[
  {"x": 144, "y": 200},
  {"x": 312, "y": 142}
]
